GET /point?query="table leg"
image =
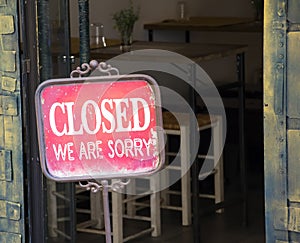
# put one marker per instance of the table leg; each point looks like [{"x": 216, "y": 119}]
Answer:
[
  {"x": 241, "y": 79},
  {"x": 187, "y": 36},
  {"x": 195, "y": 166},
  {"x": 150, "y": 35},
  {"x": 219, "y": 175},
  {"x": 185, "y": 176}
]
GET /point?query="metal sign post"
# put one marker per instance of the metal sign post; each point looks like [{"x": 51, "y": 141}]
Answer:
[
  {"x": 104, "y": 185},
  {"x": 106, "y": 211},
  {"x": 98, "y": 128}
]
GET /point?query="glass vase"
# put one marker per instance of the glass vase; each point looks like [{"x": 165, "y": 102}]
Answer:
[{"x": 126, "y": 42}]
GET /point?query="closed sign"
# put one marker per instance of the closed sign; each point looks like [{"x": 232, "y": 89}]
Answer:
[{"x": 97, "y": 128}]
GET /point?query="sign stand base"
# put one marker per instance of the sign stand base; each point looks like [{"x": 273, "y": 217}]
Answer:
[{"x": 116, "y": 186}]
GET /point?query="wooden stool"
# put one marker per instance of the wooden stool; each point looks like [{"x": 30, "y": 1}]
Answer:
[
  {"x": 118, "y": 200},
  {"x": 172, "y": 127}
]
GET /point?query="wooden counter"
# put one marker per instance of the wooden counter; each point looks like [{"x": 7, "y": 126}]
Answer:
[{"x": 221, "y": 24}]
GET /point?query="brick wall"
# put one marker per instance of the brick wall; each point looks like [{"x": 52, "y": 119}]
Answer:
[{"x": 11, "y": 154}]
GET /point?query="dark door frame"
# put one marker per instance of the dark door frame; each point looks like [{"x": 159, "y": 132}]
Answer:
[
  {"x": 30, "y": 79},
  {"x": 36, "y": 34}
]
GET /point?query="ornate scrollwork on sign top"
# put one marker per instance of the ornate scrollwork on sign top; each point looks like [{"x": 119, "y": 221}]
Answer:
[
  {"x": 80, "y": 71},
  {"x": 85, "y": 68},
  {"x": 118, "y": 185},
  {"x": 107, "y": 69},
  {"x": 91, "y": 186}
]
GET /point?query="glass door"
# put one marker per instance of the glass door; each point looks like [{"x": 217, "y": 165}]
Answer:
[
  {"x": 55, "y": 62},
  {"x": 54, "y": 38},
  {"x": 60, "y": 38}
]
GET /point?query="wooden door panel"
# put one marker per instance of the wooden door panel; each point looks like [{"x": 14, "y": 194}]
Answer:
[
  {"x": 294, "y": 165},
  {"x": 293, "y": 75},
  {"x": 293, "y": 11}
]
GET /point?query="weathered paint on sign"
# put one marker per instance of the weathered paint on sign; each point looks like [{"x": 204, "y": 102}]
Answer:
[{"x": 98, "y": 129}]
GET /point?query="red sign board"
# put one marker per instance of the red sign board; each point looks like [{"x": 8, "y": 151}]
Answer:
[{"x": 99, "y": 127}]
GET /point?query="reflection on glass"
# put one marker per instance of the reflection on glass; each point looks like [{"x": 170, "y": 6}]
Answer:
[{"x": 97, "y": 35}]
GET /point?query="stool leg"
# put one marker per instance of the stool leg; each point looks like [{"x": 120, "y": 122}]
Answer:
[
  {"x": 165, "y": 180},
  {"x": 52, "y": 208},
  {"x": 131, "y": 189},
  {"x": 96, "y": 204},
  {"x": 155, "y": 205},
  {"x": 185, "y": 177},
  {"x": 219, "y": 175}
]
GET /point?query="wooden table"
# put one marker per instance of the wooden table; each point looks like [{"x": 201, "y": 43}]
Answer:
[
  {"x": 221, "y": 24},
  {"x": 195, "y": 52},
  {"x": 198, "y": 53}
]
